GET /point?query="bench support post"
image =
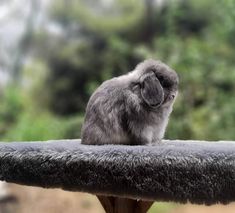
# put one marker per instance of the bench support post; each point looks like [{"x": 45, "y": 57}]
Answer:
[{"x": 123, "y": 205}]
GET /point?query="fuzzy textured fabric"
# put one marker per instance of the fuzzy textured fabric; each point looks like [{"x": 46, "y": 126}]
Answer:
[{"x": 180, "y": 171}]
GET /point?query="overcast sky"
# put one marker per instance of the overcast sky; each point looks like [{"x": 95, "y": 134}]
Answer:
[
  {"x": 13, "y": 17},
  {"x": 12, "y": 21}
]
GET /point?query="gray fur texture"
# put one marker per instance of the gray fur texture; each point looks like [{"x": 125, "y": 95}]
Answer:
[
  {"x": 180, "y": 171},
  {"x": 133, "y": 108}
]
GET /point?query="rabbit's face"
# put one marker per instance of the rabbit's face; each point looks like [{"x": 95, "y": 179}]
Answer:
[
  {"x": 169, "y": 81},
  {"x": 158, "y": 84}
]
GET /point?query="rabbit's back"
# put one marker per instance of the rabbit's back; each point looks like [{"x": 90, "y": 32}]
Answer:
[{"x": 104, "y": 115}]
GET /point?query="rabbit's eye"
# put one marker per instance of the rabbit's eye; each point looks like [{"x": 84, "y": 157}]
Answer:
[
  {"x": 165, "y": 82},
  {"x": 160, "y": 78}
]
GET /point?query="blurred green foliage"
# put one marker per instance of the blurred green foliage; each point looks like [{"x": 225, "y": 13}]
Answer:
[
  {"x": 162, "y": 207},
  {"x": 10, "y": 109},
  {"x": 102, "y": 40},
  {"x": 32, "y": 127}
]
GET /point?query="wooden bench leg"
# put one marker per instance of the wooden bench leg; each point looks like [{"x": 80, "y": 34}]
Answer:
[
  {"x": 143, "y": 206},
  {"x": 123, "y": 205},
  {"x": 107, "y": 202}
]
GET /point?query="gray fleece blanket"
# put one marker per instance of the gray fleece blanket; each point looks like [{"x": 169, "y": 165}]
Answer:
[{"x": 180, "y": 171}]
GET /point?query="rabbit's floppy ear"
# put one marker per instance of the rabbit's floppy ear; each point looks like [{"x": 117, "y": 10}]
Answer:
[{"x": 151, "y": 90}]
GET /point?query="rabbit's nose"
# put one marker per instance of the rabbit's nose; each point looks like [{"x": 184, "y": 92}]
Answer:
[{"x": 172, "y": 96}]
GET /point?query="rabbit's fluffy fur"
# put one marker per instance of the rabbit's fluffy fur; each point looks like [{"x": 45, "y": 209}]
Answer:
[{"x": 132, "y": 109}]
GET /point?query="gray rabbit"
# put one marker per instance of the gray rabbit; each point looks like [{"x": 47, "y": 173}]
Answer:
[{"x": 132, "y": 109}]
